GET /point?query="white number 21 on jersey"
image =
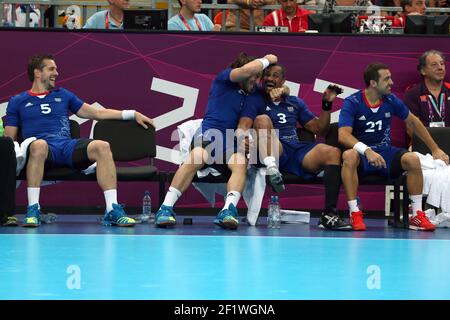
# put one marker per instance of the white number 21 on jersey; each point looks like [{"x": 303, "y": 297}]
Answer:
[
  {"x": 45, "y": 108},
  {"x": 372, "y": 126}
]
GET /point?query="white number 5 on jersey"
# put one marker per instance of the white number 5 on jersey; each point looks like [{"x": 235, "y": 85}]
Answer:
[
  {"x": 372, "y": 126},
  {"x": 45, "y": 108},
  {"x": 282, "y": 118}
]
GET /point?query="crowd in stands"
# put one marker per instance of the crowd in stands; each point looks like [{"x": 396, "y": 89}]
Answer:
[{"x": 191, "y": 17}]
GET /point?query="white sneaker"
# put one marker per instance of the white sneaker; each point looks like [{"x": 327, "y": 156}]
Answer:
[{"x": 442, "y": 220}]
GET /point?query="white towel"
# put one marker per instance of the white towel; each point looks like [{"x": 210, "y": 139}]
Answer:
[
  {"x": 21, "y": 153},
  {"x": 436, "y": 181},
  {"x": 91, "y": 169}
]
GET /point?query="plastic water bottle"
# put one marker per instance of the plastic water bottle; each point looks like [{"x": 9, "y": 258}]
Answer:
[
  {"x": 274, "y": 213},
  {"x": 147, "y": 208}
]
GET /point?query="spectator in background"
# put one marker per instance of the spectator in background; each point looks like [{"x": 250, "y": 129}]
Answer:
[
  {"x": 111, "y": 18},
  {"x": 390, "y": 3},
  {"x": 429, "y": 99},
  {"x": 289, "y": 15},
  {"x": 329, "y": 5},
  {"x": 190, "y": 19},
  {"x": 409, "y": 7},
  {"x": 438, "y": 3},
  {"x": 244, "y": 16}
]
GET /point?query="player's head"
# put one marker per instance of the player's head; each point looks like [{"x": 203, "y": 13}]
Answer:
[
  {"x": 288, "y": 6},
  {"x": 432, "y": 65},
  {"x": 42, "y": 69},
  {"x": 378, "y": 77},
  {"x": 248, "y": 84},
  {"x": 273, "y": 77},
  {"x": 413, "y": 6},
  {"x": 120, "y": 4}
]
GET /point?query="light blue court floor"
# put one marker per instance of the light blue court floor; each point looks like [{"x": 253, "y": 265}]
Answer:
[{"x": 77, "y": 258}]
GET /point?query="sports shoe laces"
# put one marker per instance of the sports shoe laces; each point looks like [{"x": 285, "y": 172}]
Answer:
[
  {"x": 33, "y": 212},
  {"x": 227, "y": 212},
  {"x": 165, "y": 212}
]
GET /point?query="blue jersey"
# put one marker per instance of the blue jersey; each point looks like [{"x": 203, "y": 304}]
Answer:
[
  {"x": 226, "y": 104},
  {"x": 371, "y": 126},
  {"x": 285, "y": 116},
  {"x": 44, "y": 117}
]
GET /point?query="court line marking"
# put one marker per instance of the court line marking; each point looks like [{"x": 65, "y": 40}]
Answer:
[{"x": 219, "y": 236}]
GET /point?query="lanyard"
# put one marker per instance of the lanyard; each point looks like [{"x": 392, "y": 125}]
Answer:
[
  {"x": 187, "y": 25},
  {"x": 107, "y": 21},
  {"x": 441, "y": 110}
]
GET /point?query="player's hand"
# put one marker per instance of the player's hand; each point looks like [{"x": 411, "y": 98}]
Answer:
[
  {"x": 441, "y": 155},
  {"x": 375, "y": 159},
  {"x": 331, "y": 93},
  {"x": 272, "y": 58},
  {"x": 276, "y": 93},
  {"x": 143, "y": 120}
]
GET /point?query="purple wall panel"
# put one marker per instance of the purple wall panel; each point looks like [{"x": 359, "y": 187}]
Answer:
[{"x": 116, "y": 70}]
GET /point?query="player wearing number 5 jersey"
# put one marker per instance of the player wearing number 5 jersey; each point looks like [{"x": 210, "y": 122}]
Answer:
[
  {"x": 365, "y": 127},
  {"x": 43, "y": 113}
]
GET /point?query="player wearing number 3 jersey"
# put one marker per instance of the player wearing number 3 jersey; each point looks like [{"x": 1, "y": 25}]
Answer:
[{"x": 365, "y": 128}]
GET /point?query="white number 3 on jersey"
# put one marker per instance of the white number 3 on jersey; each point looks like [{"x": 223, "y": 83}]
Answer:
[
  {"x": 282, "y": 118},
  {"x": 45, "y": 108}
]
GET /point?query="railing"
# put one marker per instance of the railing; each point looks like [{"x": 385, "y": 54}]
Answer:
[{"x": 173, "y": 7}]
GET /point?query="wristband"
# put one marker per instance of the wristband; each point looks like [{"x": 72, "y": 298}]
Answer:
[
  {"x": 360, "y": 147},
  {"x": 264, "y": 62},
  {"x": 128, "y": 114},
  {"x": 327, "y": 105}
]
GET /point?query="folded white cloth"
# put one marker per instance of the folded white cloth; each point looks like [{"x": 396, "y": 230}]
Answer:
[
  {"x": 91, "y": 169},
  {"x": 436, "y": 181},
  {"x": 21, "y": 153}
]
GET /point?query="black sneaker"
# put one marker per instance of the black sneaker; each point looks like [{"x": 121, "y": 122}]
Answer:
[
  {"x": 332, "y": 221},
  {"x": 275, "y": 179},
  {"x": 10, "y": 221}
]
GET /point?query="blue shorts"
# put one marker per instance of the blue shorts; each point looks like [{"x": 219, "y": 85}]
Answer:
[
  {"x": 220, "y": 155},
  {"x": 388, "y": 153},
  {"x": 71, "y": 153},
  {"x": 292, "y": 158},
  {"x": 61, "y": 151}
]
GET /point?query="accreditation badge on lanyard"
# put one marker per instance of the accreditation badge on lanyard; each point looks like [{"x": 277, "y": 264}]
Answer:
[{"x": 439, "y": 108}]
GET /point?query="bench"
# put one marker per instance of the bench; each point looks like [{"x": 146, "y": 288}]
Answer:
[{"x": 128, "y": 141}]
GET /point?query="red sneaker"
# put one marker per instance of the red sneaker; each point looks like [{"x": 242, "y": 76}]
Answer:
[
  {"x": 356, "y": 219},
  {"x": 421, "y": 222}
]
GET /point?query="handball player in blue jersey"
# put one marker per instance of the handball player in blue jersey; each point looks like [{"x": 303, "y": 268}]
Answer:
[
  {"x": 365, "y": 128},
  {"x": 43, "y": 112},
  {"x": 227, "y": 103},
  {"x": 304, "y": 159}
]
